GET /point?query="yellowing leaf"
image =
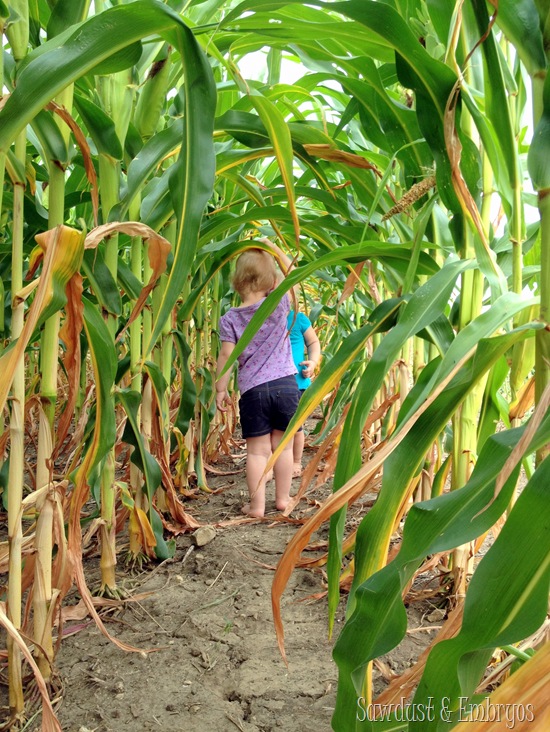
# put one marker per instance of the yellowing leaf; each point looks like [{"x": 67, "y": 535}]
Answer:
[
  {"x": 157, "y": 251},
  {"x": 62, "y": 249}
]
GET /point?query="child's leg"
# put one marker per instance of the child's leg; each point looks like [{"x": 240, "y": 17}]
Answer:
[
  {"x": 283, "y": 471},
  {"x": 297, "y": 450},
  {"x": 258, "y": 450}
]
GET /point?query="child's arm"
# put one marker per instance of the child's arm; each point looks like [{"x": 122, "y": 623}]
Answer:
[
  {"x": 286, "y": 262},
  {"x": 222, "y": 383},
  {"x": 313, "y": 353}
]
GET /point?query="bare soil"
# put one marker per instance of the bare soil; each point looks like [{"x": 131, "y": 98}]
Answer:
[{"x": 204, "y": 622}]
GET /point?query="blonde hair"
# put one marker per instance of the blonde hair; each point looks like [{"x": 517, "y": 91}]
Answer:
[{"x": 255, "y": 271}]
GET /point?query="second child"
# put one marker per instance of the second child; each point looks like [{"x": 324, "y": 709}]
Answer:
[{"x": 302, "y": 338}]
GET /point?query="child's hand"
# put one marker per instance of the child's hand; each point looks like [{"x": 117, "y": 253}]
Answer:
[
  {"x": 308, "y": 368},
  {"x": 222, "y": 398}
]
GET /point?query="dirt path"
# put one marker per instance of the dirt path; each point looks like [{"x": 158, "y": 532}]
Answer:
[
  {"x": 208, "y": 614},
  {"x": 218, "y": 666}
]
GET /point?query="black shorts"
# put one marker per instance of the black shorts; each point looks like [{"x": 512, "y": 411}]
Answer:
[{"x": 269, "y": 406}]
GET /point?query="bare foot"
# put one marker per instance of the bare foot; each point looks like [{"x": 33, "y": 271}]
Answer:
[
  {"x": 296, "y": 470},
  {"x": 281, "y": 505},
  {"x": 249, "y": 512}
]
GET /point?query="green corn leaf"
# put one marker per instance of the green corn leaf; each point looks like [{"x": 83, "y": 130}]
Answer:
[
  {"x": 128, "y": 281},
  {"x": 496, "y": 101},
  {"x": 357, "y": 253},
  {"x": 507, "y": 600},
  {"x": 319, "y": 228},
  {"x": 203, "y": 14},
  {"x": 538, "y": 157},
  {"x": 123, "y": 367},
  {"x": 421, "y": 222},
  {"x": 100, "y": 127},
  {"x": 246, "y": 128},
  {"x": 431, "y": 79},
  {"x": 349, "y": 461},
  {"x": 250, "y": 189},
  {"x": 102, "y": 352},
  {"x": 49, "y": 137},
  {"x": 523, "y": 355},
  {"x": 520, "y": 22},
  {"x": 159, "y": 386},
  {"x": 186, "y": 408},
  {"x": 66, "y": 13},
  {"x": 192, "y": 176},
  {"x": 422, "y": 309},
  {"x": 489, "y": 322},
  {"x": 340, "y": 206},
  {"x": 146, "y": 163},
  {"x": 76, "y": 52},
  {"x": 378, "y": 620},
  {"x": 393, "y": 126},
  {"x": 504, "y": 168},
  {"x": 15, "y": 168},
  {"x": 494, "y": 407},
  {"x": 249, "y": 129},
  {"x": 439, "y": 332},
  {"x": 101, "y": 280},
  {"x": 279, "y": 135},
  {"x": 157, "y": 206},
  {"x": 131, "y": 401}
]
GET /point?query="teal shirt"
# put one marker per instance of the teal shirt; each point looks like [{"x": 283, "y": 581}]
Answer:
[{"x": 298, "y": 344}]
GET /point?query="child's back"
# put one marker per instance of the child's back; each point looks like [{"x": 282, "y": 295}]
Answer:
[
  {"x": 268, "y": 356},
  {"x": 269, "y": 394}
]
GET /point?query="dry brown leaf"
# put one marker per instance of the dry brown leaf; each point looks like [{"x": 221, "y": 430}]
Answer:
[
  {"x": 454, "y": 151},
  {"x": 384, "y": 670},
  {"x": 63, "y": 255},
  {"x": 523, "y": 443},
  {"x": 334, "y": 155},
  {"x": 157, "y": 252},
  {"x": 351, "y": 282},
  {"x": 86, "y": 154},
  {"x": 524, "y": 401},
  {"x": 50, "y": 722},
  {"x": 70, "y": 335},
  {"x": 313, "y": 465},
  {"x": 347, "y": 494}
]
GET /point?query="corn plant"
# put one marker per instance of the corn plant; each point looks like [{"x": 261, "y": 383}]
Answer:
[
  {"x": 61, "y": 283},
  {"x": 393, "y": 171}
]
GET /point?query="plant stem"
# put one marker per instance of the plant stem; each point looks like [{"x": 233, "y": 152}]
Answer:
[
  {"x": 17, "y": 418},
  {"x": 542, "y": 338}
]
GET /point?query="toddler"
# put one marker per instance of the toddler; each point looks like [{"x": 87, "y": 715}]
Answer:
[
  {"x": 302, "y": 337},
  {"x": 269, "y": 393}
]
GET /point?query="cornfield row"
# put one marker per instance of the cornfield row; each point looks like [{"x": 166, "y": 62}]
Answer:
[{"x": 138, "y": 160}]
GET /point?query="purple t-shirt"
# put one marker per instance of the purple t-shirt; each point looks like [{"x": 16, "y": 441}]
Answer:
[{"x": 268, "y": 356}]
